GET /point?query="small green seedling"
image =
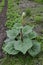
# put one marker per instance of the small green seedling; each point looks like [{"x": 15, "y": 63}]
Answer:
[
  {"x": 17, "y": 1},
  {"x": 28, "y": 12},
  {"x": 2, "y": 5},
  {"x": 38, "y": 19},
  {"x": 39, "y": 1}
]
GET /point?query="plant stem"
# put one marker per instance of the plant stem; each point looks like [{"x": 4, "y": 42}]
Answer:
[{"x": 21, "y": 35}]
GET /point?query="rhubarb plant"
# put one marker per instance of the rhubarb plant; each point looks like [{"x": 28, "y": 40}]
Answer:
[{"x": 21, "y": 39}]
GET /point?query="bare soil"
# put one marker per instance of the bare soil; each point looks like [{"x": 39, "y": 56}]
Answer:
[{"x": 0, "y": 0}]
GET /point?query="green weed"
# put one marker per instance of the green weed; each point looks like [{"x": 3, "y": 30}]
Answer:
[
  {"x": 39, "y": 1},
  {"x": 38, "y": 19},
  {"x": 17, "y": 1},
  {"x": 2, "y": 5},
  {"x": 12, "y": 14},
  {"x": 28, "y": 12}
]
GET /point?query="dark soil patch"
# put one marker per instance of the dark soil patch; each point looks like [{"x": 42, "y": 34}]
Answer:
[
  {"x": 39, "y": 29},
  {"x": 2, "y": 27}
]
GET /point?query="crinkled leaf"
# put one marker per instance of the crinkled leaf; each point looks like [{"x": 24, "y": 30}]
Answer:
[
  {"x": 35, "y": 49},
  {"x": 27, "y": 29},
  {"x": 23, "y": 46},
  {"x": 8, "y": 40},
  {"x": 12, "y": 46},
  {"x": 9, "y": 48},
  {"x": 12, "y": 33},
  {"x": 32, "y": 35},
  {"x": 17, "y": 26}
]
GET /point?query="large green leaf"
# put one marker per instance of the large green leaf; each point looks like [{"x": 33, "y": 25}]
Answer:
[
  {"x": 17, "y": 26},
  {"x": 32, "y": 35},
  {"x": 16, "y": 30},
  {"x": 12, "y": 33},
  {"x": 9, "y": 48},
  {"x": 27, "y": 29},
  {"x": 23, "y": 46},
  {"x": 7, "y": 40},
  {"x": 35, "y": 49}
]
